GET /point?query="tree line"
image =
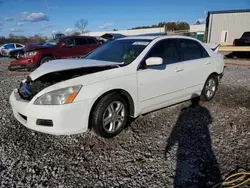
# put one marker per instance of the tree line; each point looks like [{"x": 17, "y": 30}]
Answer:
[
  {"x": 171, "y": 26},
  {"x": 23, "y": 39}
]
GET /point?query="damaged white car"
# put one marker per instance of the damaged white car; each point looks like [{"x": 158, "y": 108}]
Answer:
[{"x": 121, "y": 79}]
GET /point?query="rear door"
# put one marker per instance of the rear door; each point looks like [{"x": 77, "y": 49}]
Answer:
[
  {"x": 85, "y": 45},
  {"x": 81, "y": 46},
  {"x": 197, "y": 65},
  {"x": 92, "y": 44}
]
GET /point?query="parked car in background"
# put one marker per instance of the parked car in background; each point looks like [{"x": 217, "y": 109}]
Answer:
[
  {"x": 19, "y": 53},
  {"x": 5, "y": 49},
  {"x": 125, "y": 77},
  {"x": 59, "y": 48},
  {"x": 243, "y": 41}
]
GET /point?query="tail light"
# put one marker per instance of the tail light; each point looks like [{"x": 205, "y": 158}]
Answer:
[{"x": 234, "y": 43}]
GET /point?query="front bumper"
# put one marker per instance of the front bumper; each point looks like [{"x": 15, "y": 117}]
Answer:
[
  {"x": 26, "y": 63},
  {"x": 21, "y": 67},
  {"x": 67, "y": 119}
]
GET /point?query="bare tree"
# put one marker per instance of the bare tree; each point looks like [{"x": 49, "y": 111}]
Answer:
[{"x": 81, "y": 25}]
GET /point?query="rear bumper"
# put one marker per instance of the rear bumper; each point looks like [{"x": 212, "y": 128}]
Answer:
[{"x": 221, "y": 74}]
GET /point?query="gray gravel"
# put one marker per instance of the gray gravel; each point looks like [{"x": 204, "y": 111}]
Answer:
[{"x": 199, "y": 144}]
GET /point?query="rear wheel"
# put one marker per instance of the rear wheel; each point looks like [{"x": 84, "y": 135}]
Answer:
[
  {"x": 45, "y": 60},
  {"x": 110, "y": 115},
  {"x": 210, "y": 88}
]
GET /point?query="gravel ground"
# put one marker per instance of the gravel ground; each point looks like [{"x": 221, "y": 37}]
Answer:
[
  {"x": 240, "y": 62},
  {"x": 179, "y": 146}
]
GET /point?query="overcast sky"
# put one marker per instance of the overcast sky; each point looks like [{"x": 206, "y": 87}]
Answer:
[{"x": 29, "y": 17}]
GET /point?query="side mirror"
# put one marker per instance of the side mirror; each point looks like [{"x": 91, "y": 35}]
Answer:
[
  {"x": 154, "y": 61},
  {"x": 63, "y": 45}
]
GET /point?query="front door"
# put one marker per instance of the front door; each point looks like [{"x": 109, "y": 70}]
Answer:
[
  {"x": 161, "y": 85},
  {"x": 68, "y": 51}
]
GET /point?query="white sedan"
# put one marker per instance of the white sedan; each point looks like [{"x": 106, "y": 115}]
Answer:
[
  {"x": 5, "y": 49},
  {"x": 121, "y": 79}
]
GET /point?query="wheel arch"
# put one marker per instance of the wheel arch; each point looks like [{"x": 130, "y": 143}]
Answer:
[
  {"x": 218, "y": 76},
  {"x": 46, "y": 55},
  {"x": 124, "y": 93}
]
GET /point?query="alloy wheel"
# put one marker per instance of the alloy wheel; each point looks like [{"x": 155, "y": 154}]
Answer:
[{"x": 113, "y": 116}]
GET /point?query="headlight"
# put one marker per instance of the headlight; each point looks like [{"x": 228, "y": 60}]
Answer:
[
  {"x": 31, "y": 53},
  {"x": 58, "y": 97}
]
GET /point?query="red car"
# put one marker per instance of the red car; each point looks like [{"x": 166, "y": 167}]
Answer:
[{"x": 60, "y": 48}]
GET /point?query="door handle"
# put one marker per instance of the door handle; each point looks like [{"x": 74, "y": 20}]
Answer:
[
  {"x": 207, "y": 63},
  {"x": 178, "y": 69}
]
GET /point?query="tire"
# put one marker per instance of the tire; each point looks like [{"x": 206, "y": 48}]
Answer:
[
  {"x": 210, "y": 88},
  {"x": 45, "y": 60},
  {"x": 116, "y": 117}
]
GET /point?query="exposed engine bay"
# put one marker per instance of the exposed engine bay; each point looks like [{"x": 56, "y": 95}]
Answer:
[{"x": 28, "y": 89}]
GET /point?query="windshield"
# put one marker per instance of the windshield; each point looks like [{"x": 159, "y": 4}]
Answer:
[
  {"x": 246, "y": 35},
  {"x": 52, "y": 42},
  {"x": 120, "y": 51}
]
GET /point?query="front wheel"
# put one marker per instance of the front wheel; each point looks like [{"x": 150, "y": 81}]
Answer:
[
  {"x": 45, "y": 60},
  {"x": 110, "y": 115},
  {"x": 210, "y": 88}
]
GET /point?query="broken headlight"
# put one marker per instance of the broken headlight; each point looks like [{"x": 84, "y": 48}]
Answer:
[
  {"x": 31, "y": 53},
  {"x": 58, "y": 97}
]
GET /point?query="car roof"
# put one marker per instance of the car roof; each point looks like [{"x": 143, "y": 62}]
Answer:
[
  {"x": 157, "y": 37},
  {"x": 79, "y": 37}
]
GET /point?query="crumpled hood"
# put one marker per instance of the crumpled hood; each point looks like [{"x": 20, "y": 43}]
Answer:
[
  {"x": 68, "y": 64},
  {"x": 34, "y": 46}
]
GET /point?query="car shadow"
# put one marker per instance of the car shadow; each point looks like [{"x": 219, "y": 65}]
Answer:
[{"x": 196, "y": 163}]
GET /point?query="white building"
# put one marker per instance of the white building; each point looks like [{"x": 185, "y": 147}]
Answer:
[
  {"x": 132, "y": 32},
  {"x": 128, "y": 32},
  {"x": 227, "y": 25}
]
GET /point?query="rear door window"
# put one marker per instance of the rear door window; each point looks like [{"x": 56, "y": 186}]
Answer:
[
  {"x": 192, "y": 50},
  {"x": 19, "y": 46},
  {"x": 80, "y": 41},
  {"x": 91, "y": 41}
]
